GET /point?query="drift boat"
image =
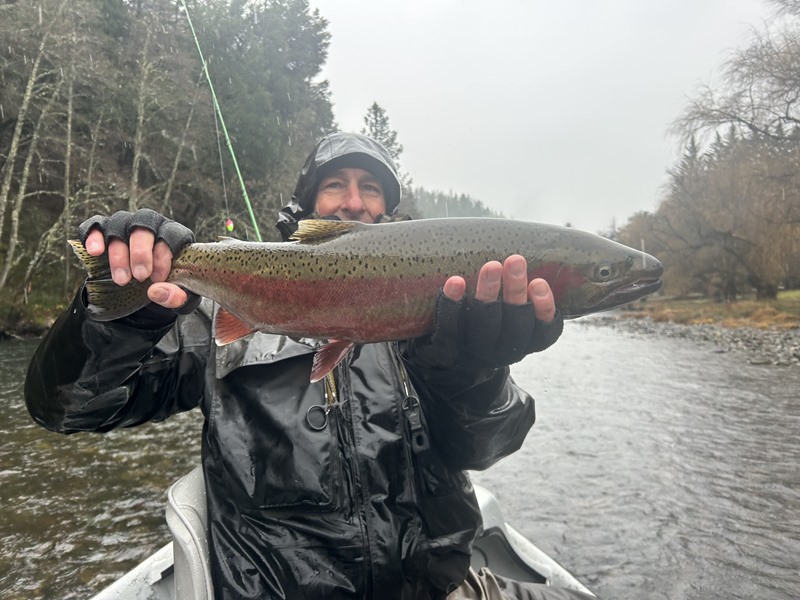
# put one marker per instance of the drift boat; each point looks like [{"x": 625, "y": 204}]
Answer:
[{"x": 180, "y": 571}]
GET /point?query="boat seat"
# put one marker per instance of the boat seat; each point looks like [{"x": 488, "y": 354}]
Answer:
[
  {"x": 187, "y": 518},
  {"x": 500, "y": 547},
  {"x": 187, "y": 515}
]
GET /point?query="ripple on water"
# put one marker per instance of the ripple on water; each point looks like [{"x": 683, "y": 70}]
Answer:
[
  {"x": 94, "y": 502},
  {"x": 658, "y": 467}
]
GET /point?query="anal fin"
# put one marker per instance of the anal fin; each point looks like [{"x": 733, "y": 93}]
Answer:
[
  {"x": 327, "y": 357},
  {"x": 228, "y": 328}
]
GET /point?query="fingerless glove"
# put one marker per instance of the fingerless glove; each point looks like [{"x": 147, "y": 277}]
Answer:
[
  {"x": 121, "y": 223},
  {"x": 175, "y": 236},
  {"x": 478, "y": 335}
]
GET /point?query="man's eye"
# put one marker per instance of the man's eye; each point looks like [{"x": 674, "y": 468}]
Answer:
[
  {"x": 372, "y": 189},
  {"x": 333, "y": 185}
]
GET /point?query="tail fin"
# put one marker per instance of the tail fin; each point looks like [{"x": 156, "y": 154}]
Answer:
[{"x": 107, "y": 300}]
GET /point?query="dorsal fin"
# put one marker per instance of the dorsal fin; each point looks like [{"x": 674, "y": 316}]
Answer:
[{"x": 313, "y": 231}]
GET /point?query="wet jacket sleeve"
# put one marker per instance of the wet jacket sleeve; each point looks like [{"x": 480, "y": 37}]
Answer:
[
  {"x": 475, "y": 417},
  {"x": 92, "y": 376}
]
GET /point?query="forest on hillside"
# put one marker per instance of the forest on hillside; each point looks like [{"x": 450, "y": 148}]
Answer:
[{"x": 104, "y": 106}]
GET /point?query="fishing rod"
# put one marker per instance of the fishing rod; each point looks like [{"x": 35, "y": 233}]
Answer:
[{"x": 218, "y": 113}]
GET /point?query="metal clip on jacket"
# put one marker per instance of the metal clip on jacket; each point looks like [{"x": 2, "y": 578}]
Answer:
[{"x": 317, "y": 415}]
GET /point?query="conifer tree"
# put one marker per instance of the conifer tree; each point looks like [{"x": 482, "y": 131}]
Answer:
[{"x": 376, "y": 126}]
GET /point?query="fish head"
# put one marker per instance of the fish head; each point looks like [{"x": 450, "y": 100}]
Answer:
[{"x": 595, "y": 274}]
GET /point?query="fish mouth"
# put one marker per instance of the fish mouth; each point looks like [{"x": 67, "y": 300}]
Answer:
[
  {"x": 629, "y": 293},
  {"x": 609, "y": 300}
]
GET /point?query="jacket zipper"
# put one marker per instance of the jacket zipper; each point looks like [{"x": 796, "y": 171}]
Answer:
[{"x": 360, "y": 493}]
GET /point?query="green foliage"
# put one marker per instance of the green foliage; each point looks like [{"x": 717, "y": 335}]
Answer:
[
  {"x": 116, "y": 21},
  {"x": 376, "y": 126},
  {"x": 263, "y": 57},
  {"x": 139, "y": 99}
]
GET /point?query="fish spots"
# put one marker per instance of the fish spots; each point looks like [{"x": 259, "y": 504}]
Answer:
[{"x": 404, "y": 254}]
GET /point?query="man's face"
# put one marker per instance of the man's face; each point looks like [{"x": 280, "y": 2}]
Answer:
[{"x": 352, "y": 195}]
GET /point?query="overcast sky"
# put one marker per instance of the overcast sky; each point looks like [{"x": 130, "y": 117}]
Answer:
[{"x": 547, "y": 111}]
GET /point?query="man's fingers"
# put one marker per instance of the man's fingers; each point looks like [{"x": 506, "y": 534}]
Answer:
[
  {"x": 119, "y": 260},
  {"x": 167, "y": 295},
  {"x": 455, "y": 288},
  {"x": 162, "y": 261},
  {"x": 515, "y": 280},
  {"x": 541, "y": 295},
  {"x": 132, "y": 260},
  {"x": 141, "y": 253},
  {"x": 513, "y": 276},
  {"x": 490, "y": 278},
  {"x": 95, "y": 243}
]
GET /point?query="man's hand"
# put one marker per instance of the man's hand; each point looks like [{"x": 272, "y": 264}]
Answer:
[
  {"x": 484, "y": 332},
  {"x": 140, "y": 256},
  {"x": 513, "y": 274}
]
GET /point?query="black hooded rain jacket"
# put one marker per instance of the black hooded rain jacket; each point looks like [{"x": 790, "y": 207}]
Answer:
[{"x": 375, "y": 503}]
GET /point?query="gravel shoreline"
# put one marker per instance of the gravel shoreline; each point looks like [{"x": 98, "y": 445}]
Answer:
[{"x": 759, "y": 346}]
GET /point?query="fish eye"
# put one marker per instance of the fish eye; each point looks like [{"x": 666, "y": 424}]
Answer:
[{"x": 604, "y": 272}]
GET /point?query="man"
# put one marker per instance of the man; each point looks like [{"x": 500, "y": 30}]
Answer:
[{"x": 347, "y": 506}]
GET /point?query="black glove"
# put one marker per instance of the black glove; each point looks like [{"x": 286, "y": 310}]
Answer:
[
  {"x": 122, "y": 223},
  {"x": 477, "y": 335}
]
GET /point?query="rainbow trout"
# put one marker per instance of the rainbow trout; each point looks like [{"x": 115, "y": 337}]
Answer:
[{"x": 355, "y": 283}]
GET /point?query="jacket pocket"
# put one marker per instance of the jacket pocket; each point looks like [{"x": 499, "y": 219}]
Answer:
[
  {"x": 302, "y": 470},
  {"x": 258, "y": 429}
]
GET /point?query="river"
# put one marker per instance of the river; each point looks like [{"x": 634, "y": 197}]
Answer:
[{"x": 657, "y": 469}]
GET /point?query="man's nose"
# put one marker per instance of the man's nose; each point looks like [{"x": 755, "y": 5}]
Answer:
[{"x": 353, "y": 200}]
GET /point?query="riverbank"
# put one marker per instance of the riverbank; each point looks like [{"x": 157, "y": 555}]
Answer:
[
  {"x": 21, "y": 331},
  {"x": 763, "y": 332},
  {"x": 756, "y": 345},
  {"x": 31, "y": 319},
  {"x": 783, "y": 313}
]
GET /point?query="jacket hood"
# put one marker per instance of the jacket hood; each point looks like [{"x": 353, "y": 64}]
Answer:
[{"x": 337, "y": 151}]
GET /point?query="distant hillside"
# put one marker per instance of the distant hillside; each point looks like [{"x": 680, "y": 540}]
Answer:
[{"x": 432, "y": 204}]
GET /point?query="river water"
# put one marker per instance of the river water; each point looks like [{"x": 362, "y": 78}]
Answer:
[{"x": 658, "y": 469}]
